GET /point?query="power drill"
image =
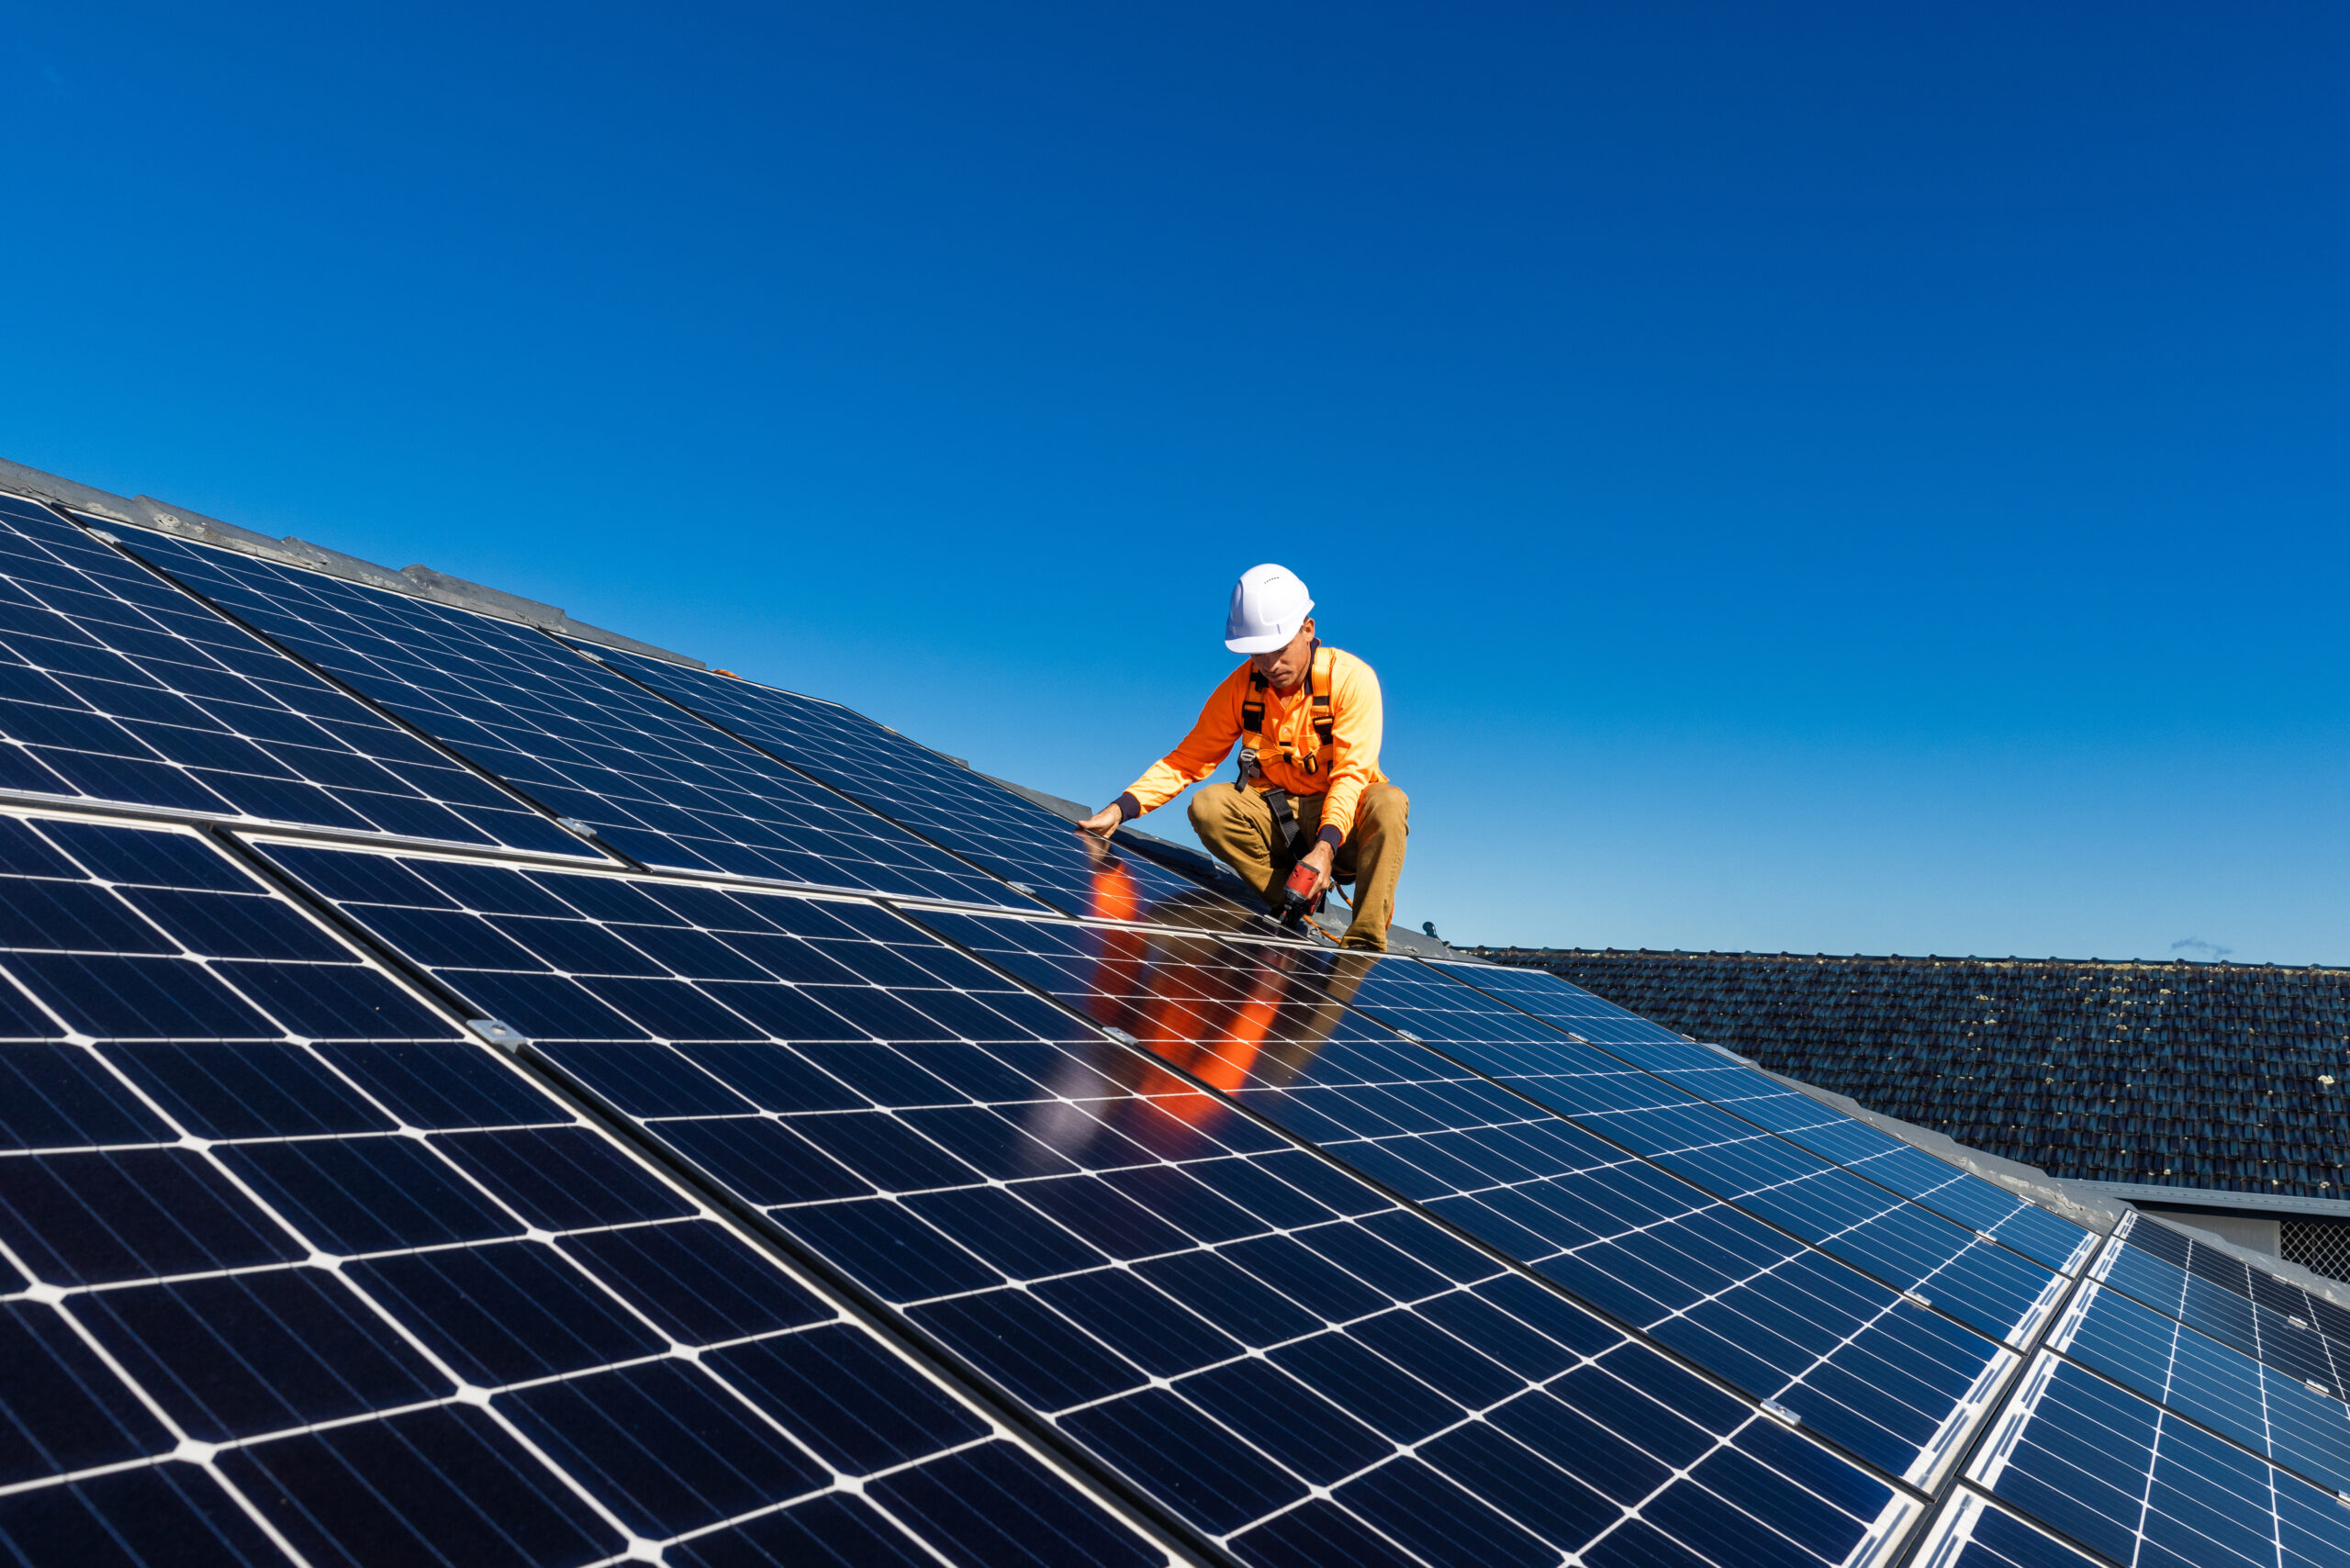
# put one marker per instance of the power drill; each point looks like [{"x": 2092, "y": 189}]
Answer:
[{"x": 1298, "y": 897}]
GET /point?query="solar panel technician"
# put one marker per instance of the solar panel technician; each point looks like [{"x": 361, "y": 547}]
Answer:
[{"x": 1307, "y": 718}]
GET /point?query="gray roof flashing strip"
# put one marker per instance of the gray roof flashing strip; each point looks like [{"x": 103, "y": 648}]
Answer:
[
  {"x": 513, "y": 606},
  {"x": 2162, "y": 1196},
  {"x": 63, "y": 492},
  {"x": 418, "y": 581}
]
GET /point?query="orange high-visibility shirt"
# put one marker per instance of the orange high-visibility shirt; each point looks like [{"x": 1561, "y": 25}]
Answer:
[{"x": 1348, "y": 764}]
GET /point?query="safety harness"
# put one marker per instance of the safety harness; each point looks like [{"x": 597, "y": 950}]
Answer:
[{"x": 1252, "y": 741}]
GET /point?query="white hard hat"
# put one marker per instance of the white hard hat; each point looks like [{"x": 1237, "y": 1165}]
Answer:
[{"x": 1268, "y": 604}]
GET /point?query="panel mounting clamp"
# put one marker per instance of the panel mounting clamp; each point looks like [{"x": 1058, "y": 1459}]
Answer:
[
  {"x": 505, "y": 1036},
  {"x": 1120, "y": 1035},
  {"x": 1778, "y": 1412},
  {"x": 574, "y": 825}
]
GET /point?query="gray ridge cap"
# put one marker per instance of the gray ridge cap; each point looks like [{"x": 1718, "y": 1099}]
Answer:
[
  {"x": 336, "y": 563},
  {"x": 512, "y": 606},
  {"x": 2282, "y": 1206},
  {"x": 179, "y": 519},
  {"x": 417, "y": 581},
  {"x": 49, "y": 488},
  {"x": 586, "y": 633}
]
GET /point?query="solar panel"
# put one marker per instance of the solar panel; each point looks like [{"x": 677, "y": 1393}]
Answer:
[
  {"x": 2210, "y": 1266},
  {"x": 2132, "y": 1482},
  {"x": 1971, "y": 1531},
  {"x": 1714, "y": 1075},
  {"x": 2289, "y": 1343},
  {"x": 1853, "y": 1359},
  {"x": 857, "y": 1250},
  {"x": 2271, "y": 1413},
  {"x": 288, "y": 1265},
  {"x": 1991, "y": 1289},
  {"x": 655, "y": 783},
  {"x": 115, "y": 686},
  {"x": 914, "y": 786},
  {"x": 1298, "y": 1366}
]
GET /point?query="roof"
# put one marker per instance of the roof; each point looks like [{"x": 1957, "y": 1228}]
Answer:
[{"x": 2210, "y": 1078}]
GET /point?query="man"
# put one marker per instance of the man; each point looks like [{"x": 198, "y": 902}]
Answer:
[{"x": 1310, "y": 792}]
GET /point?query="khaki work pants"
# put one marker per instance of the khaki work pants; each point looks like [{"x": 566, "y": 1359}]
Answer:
[{"x": 1236, "y": 826}]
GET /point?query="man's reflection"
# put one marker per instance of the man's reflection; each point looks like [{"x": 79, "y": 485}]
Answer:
[{"x": 1232, "y": 1015}]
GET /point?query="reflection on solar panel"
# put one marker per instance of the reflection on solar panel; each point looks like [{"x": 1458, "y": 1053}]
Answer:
[
  {"x": 117, "y": 687},
  {"x": 2125, "y": 1478},
  {"x": 290, "y": 1263},
  {"x": 912, "y": 785},
  {"x": 1716, "y": 1076},
  {"x": 656, "y": 784},
  {"x": 1295, "y": 1364},
  {"x": 1855, "y": 1360}
]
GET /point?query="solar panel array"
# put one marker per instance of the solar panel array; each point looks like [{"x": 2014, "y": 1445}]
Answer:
[
  {"x": 117, "y": 688},
  {"x": 467, "y": 1101},
  {"x": 915, "y": 787},
  {"x": 2192, "y": 1433},
  {"x": 659, "y": 787},
  {"x": 1739, "y": 1087},
  {"x": 297, "y": 1269}
]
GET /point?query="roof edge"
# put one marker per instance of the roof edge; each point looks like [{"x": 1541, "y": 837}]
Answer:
[
  {"x": 416, "y": 581},
  {"x": 1543, "y": 955}
]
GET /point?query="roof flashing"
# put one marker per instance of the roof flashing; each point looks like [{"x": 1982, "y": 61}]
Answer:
[{"x": 420, "y": 580}]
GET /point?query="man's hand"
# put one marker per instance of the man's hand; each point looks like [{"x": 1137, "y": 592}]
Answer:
[
  {"x": 1320, "y": 858},
  {"x": 1104, "y": 822}
]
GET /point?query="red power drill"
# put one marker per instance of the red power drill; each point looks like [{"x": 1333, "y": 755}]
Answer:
[{"x": 1298, "y": 895}]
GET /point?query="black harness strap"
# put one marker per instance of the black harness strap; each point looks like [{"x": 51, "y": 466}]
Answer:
[{"x": 1252, "y": 725}]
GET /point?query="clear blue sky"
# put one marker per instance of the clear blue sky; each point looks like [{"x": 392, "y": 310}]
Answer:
[{"x": 1847, "y": 478}]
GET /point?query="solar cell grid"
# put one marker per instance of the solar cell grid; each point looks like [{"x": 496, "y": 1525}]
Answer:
[
  {"x": 289, "y": 1268},
  {"x": 1860, "y": 1364},
  {"x": 2132, "y": 1482},
  {"x": 1973, "y": 1533},
  {"x": 1711, "y": 1075},
  {"x": 656, "y": 784},
  {"x": 115, "y": 686},
  {"x": 1297, "y": 1365},
  {"x": 1991, "y": 1289},
  {"x": 2269, "y": 1412},
  {"x": 1015, "y": 838},
  {"x": 2289, "y": 1345},
  {"x": 2231, "y": 1273}
]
